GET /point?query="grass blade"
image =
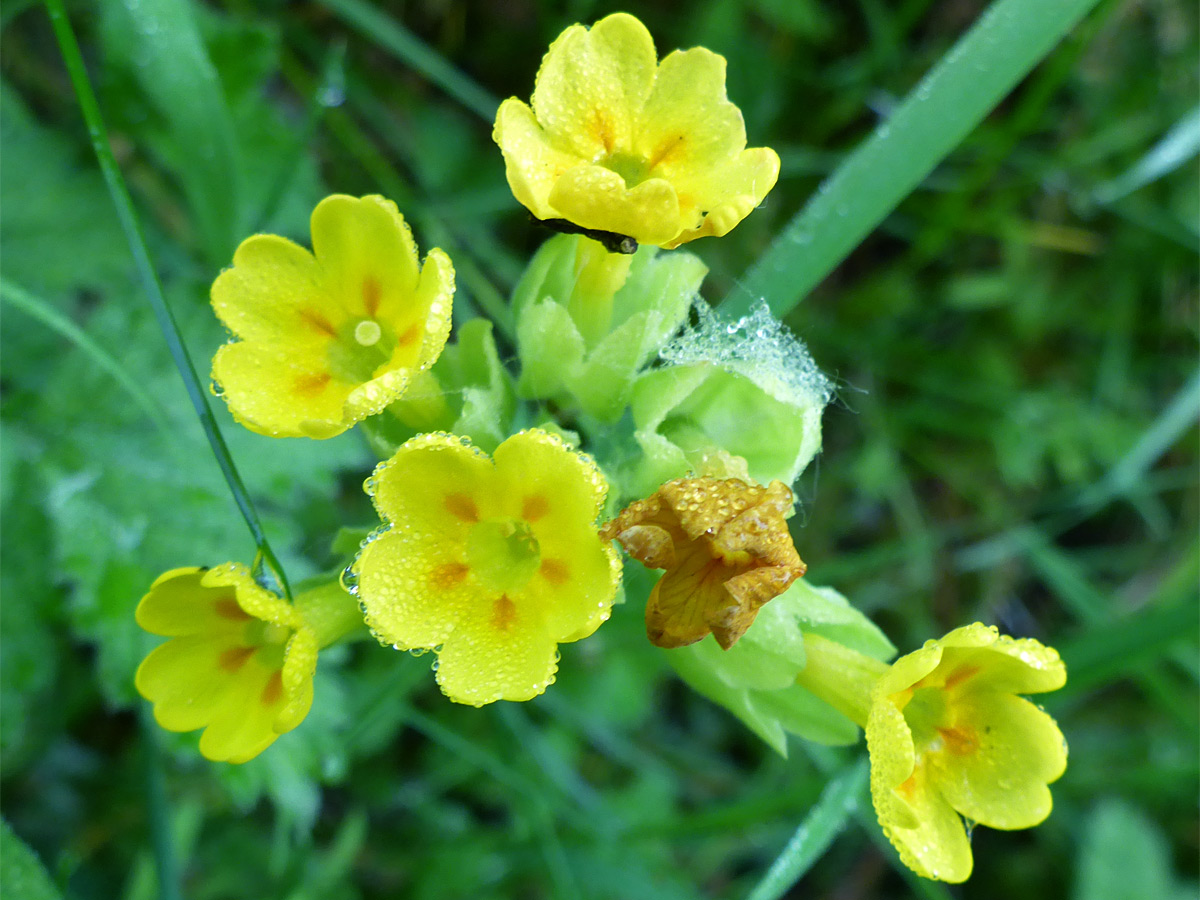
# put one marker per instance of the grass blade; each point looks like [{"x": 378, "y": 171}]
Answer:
[
  {"x": 151, "y": 287},
  {"x": 1177, "y": 146},
  {"x": 844, "y": 793},
  {"x": 56, "y": 321},
  {"x": 404, "y": 45},
  {"x": 1009, "y": 39}
]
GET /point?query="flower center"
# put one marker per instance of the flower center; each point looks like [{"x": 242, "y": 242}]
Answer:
[
  {"x": 503, "y": 553},
  {"x": 632, "y": 169},
  {"x": 359, "y": 348},
  {"x": 926, "y": 714},
  {"x": 260, "y": 634}
]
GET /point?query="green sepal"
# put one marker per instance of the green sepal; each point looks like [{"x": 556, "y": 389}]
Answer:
[
  {"x": 468, "y": 391},
  {"x": 584, "y": 332},
  {"x": 747, "y": 391}
]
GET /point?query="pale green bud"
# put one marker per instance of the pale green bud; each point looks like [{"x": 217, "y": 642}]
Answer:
[{"x": 588, "y": 321}]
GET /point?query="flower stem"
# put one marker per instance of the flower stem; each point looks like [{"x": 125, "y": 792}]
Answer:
[
  {"x": 150, "y": 283},
  {"x": 841, "y": 677}
]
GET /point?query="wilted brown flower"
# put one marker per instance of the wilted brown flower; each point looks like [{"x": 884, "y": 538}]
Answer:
[{"x": 726, "y": 550}]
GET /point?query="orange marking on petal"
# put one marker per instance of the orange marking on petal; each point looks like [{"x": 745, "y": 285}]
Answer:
[
  {"x": 555, "y": 571},
  {"x": 227, "y": 608},
  {"x": 410, "y": 336},
  {"x": 602, "y": 129},
  {"x": 317, "y": 322},
  {"x": 908, "y": 788},
  {"x": 665, "y": 151},
  {"x": 274, "y": 689},
  {"x": 534, "y": 507},
  {"x": 959, "y": 741},
  {"x": 234, "y": 658},
  {"x": 961, "y": 675},
  {"x": 504, "y": 611},
  {"x": 448, "y": 575},
  {"x": 370, "y": 295},
  {"x": 462, "y": 507},
  {"x": 310, "y": 385}
]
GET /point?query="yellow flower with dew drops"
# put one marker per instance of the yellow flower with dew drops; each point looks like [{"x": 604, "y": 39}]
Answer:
[
  {"x": 240, "y": 661},
  {"x": 618, "y": 142},
  {"x": 490, "y": 562},
  {"x": 330, "y": 337},
  {"x": 949, "y": 737}
]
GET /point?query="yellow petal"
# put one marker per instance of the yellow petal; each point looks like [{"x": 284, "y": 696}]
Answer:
[
  {"x": 433, "y": 302},
  {"x": 893, "y": 759},
  {"x": 499, "y": 651},
  {"x": 688, "y": 124},
  {"x": 254, "y": 599},
  {"x": 531, "y": 163},
  {"x": 908, "y": 670},
  {"x": 367, "y": 255},
  {"x": 374, "y": 396},
  {"x": 414, "y": 586},
  {"x": 536, "y": 470},
  {"x": 725, "y": 194},
  {"x": 592, "y": 84},
  {"x": 596, "y": 197},
  {"x": 243, "y": 726},
  {"x": 281, "y": 391},
  {"x": 1015, "y": 751},
  {"x": 274, "y": 294},
  {"x": 177, "y": 604},
  {"x": 937, "y": 847},
  {"x": 576, "y": 582},
  {"x": 296, "y": 679},
  {"x": 184, "y": 680},
  {"x": 437, "y": 484}
]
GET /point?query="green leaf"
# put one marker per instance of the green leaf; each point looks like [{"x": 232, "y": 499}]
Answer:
[
  {"x": 1177, "y": 146},
  {"x": 22, "y": 875},
  {"x": 846, "y": 791},
  {"x": 1123, "y": 855},
  {"x": 157, "y": 44},
  {"x": 1009, "y": 39}
]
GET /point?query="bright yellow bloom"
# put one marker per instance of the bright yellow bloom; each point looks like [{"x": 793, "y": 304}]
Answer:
[
  {"x": 618, "y": 142},
  {"x": 949, "y": 736},
  {"x": 330, "y": 337},
  {"x": 726, "y": 549},
  {"x": 239, "y": 664},
  {"x": 491, "y": 563}
]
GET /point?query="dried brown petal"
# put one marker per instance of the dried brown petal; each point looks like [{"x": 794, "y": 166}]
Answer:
[{"x": 726, "y": 550}]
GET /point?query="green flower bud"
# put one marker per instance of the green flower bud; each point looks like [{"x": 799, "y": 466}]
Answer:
[
  {"x": 735, "y": 400},
  {"x": 467, "y": 391},
  {"x": 588, "y": 320},
  {"x": 756, "y": 678}
]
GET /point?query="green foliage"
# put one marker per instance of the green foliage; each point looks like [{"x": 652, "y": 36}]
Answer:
[
  {"x": 1012, "y": 439},
  {"x": 21, "y": 872}
]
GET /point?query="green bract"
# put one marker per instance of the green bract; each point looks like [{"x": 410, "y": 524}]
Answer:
[
  {"x": 755, "y": 679},
  {"x": 589, "y": 320},
  {"x": 740, "y": 399},
  {"x": 467, "y": 391}
]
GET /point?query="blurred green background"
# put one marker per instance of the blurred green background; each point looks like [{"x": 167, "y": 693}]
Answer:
[{"x": 1013, "y": 440}]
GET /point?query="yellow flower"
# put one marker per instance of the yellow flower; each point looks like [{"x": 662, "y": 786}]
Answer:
[
  {"x": 490, "y": 563},
  {"x": 239, "y": 664},
  {"x": 949, "y": 736},
  {"x": 618, "y": 142},
  {"x": 726, "y": 548},
  {"x": 331, "y": 338}
]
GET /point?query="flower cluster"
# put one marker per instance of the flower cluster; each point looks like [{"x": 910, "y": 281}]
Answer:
[{"x": 490, "y": 562}]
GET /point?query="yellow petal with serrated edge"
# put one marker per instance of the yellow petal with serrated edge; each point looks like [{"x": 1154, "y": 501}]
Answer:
[
  {"x": 245, "y": 726},
  {"x": 937, "y": 846},
  {"x": 185, "y": 681},
  {"x": 296, "y": 679},
  {"x": 536, "y": 469},
  {"x": 251, "y": 597},
  {"x": 726, "y": 194},
  {"x": 1015, "y": 750},
  {"x": 592, "y": 83},
  {"x": 531, "y": 162}
]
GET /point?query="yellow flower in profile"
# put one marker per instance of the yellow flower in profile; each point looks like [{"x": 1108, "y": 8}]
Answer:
[
  {"x": 330, "y": 337},
  {"x": 726, "y": 549},
  {"x": 239, "y": 664},
  {"x": 618, "y": 142},
  {"x": 492, "y": 563},
  {"x": 949, "y": 737}
]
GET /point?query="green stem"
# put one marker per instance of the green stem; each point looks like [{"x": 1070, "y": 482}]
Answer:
[
  {"x": 841, "y": 677},
  {"x": 150, "y": 283},
  {"x": 165, "y": 861}
]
